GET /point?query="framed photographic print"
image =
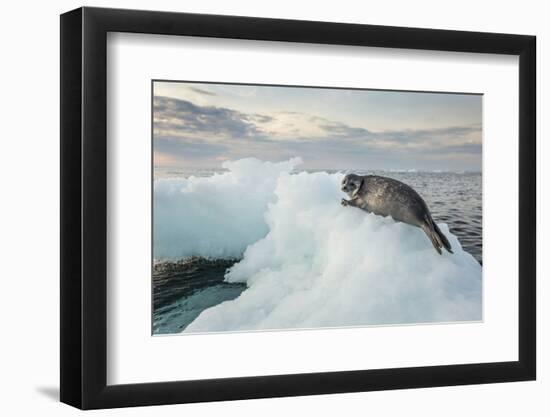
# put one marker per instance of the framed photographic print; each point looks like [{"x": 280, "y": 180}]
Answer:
[{"x": 258, "y": 207}]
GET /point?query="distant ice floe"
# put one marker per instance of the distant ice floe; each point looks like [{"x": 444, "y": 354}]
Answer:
[{"x": 307, "y": 261}]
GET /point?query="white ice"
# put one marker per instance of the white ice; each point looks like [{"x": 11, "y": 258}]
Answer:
[
  {"x": 216, "y": 216},
  {"x": 309, "y": 262}
]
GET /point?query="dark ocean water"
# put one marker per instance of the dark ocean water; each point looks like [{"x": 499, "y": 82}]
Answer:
[
  {"x": 183, "y": 289},
  {"x": 453, "y": 198}
]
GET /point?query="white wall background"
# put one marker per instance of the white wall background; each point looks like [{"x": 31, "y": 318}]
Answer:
[{"x": 29, "y": 172}]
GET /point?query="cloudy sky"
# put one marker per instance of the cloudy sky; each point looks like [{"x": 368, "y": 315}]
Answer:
[{"x": 198, "y": 125}]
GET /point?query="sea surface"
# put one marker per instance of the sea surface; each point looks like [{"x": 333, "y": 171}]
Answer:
[{"x": 185, "y": 288}]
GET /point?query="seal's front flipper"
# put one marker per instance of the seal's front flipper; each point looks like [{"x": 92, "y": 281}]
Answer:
[{"x": 344, "y": 202}]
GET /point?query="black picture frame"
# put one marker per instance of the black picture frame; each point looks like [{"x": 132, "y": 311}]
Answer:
[{"x": 84, "y": 207}]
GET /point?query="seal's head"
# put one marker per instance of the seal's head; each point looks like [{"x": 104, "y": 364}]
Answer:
[{"x": 351, "y": 184}]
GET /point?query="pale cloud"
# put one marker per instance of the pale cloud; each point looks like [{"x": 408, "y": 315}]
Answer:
[
  {"x": 164, "y": 159},
  {"x": 292, "y": 126}
]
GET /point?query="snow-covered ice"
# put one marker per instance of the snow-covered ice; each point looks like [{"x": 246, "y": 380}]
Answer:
[{"x": 307, "y": 261}]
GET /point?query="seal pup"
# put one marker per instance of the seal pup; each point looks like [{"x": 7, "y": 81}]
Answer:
[{"x": 389, "y": 197}]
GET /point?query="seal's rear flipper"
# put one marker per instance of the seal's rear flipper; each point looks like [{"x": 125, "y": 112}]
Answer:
[
  {"x": 433, "y": 237},
  {"x": 442, "y": 238}
]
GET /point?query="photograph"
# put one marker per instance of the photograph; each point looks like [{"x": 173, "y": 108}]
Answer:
[{"x": 280, "y": 207}]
